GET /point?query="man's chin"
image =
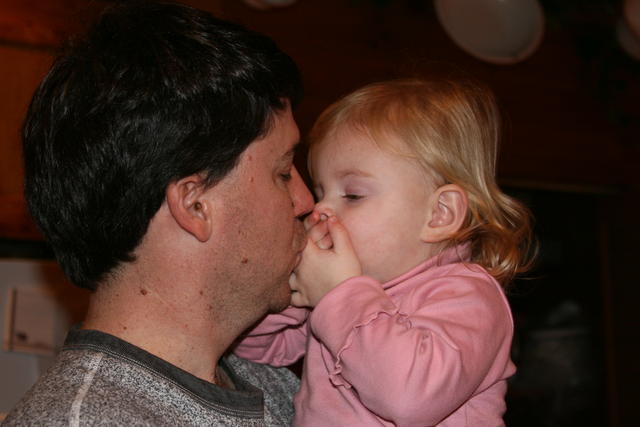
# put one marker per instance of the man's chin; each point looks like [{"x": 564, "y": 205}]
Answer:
[{"x": 282, "y": 302}]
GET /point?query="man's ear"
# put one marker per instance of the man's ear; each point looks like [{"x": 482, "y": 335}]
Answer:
[
  {"x": 447, "y": 211},
  {"x": 189, "y": 206}
]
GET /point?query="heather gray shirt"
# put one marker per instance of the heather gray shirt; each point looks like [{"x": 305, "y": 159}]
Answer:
[{"x": 98, "y": 379}]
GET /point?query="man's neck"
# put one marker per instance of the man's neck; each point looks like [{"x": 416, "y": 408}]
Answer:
[{"x": 184, "y": 331}]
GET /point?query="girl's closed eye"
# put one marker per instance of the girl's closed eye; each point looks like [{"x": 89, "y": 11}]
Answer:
[
  {"x": 352, "y": 196},
  {"x": 353, "y": 192}
]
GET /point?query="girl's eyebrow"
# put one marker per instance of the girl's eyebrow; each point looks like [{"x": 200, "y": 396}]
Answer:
[{"x": 354, "y": 172}]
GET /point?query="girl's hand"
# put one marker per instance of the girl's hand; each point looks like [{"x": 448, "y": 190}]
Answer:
[
  {"x": 320, "y": 270},
  {"x": 317, "y": 229}
]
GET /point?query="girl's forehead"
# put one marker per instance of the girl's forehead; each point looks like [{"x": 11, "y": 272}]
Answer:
[
  {"x": 349, "y": 140},
  {"x": 342, "y": 145},
  {"x": 356, "y": 150}
]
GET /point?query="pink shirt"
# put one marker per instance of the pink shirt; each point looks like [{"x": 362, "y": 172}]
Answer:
[{"x": 430, "y": 347}]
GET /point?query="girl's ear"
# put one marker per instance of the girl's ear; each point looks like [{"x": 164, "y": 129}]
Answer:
[
  {"x": 189, "y": 206},
  {"x": 447, "y": 211}
]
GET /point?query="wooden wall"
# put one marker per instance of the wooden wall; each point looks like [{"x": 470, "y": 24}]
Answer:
[{"x": 30, "y": 33}]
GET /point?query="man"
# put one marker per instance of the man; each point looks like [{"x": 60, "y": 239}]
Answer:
[{"x": 159, "y": 165}]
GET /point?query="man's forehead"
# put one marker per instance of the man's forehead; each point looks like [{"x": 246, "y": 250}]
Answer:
[
  {"x": 284, "y": 133},
  {"x": 280, "y": 142}
]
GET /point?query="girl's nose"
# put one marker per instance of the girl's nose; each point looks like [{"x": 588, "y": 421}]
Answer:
[{"x": 324, "y": 209}]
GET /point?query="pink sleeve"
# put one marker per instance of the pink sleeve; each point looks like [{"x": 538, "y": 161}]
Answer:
[
  {"x": 415, "y": 365},
  {"x": 278, "y": 340}
]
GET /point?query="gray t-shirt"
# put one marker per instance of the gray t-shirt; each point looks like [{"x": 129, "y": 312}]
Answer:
[{"x": 98, "y": 379}]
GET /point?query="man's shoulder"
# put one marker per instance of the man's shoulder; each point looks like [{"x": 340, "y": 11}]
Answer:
[
  {"x": 52, "y": 398},
  {"x": 107, "y": 385},
  {"x": 85, "y": 386}
]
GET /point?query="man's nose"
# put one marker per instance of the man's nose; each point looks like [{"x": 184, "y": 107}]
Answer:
[{"x": 300, "y": 195}]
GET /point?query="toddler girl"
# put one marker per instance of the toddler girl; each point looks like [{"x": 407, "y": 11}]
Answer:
[{"x": 408, "y": 246}]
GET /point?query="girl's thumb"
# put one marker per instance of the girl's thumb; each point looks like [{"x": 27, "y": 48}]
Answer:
[{"x": 339, "y": 234}]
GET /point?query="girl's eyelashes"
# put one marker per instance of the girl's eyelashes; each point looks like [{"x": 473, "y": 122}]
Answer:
[{"x": 352, "y": 196}]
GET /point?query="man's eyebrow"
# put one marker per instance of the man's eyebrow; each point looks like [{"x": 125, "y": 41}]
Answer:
[{"x": 290, "y": 154}]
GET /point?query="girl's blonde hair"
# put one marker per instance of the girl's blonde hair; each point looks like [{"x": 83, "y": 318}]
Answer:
[{"x": 451, "y": 128}]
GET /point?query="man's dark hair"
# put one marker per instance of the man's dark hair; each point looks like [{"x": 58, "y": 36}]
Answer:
[{"x": 154, "y": 92}]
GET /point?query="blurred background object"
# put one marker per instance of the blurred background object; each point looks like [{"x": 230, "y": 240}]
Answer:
[{"x": 497, "y": 31}]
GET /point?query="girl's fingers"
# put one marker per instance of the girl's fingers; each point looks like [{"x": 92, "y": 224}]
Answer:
[
  {"x": 318, "y": 231},
  {"x": 295, "y": 294},
  {"x": 297, "y": 297},
  {"x": 326, "y": 242},
  {"x": 312, "y": 219},
  {"x": 292, "y": 282},
  {"x": 339, "y": 235}
]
